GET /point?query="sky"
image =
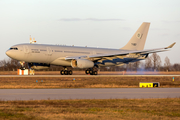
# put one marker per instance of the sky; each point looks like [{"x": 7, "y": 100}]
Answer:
[{"x": 92, "y": 23}]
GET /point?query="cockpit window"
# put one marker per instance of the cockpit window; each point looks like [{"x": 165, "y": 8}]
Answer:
[{"x": 13, "y": 48}]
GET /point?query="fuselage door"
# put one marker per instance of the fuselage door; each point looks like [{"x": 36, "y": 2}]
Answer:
[
  {"x": 49, "y": 51},
  {"x": 26, "y": 49},
  {"x": 49, "y": 54},
  {"x": 26, "y": 52}
]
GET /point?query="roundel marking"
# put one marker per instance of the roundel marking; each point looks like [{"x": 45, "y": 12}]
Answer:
[{"x": 138, "y": 35}]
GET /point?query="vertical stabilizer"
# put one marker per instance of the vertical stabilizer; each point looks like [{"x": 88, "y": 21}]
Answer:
[{"x": 138, "y": 40}]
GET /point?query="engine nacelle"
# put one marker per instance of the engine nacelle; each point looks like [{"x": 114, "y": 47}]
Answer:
[
  {"x": 82, "y": 63},
  {"x": 38, "y": 66}
]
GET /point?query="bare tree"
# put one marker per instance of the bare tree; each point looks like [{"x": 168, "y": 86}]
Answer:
[
  {"x": 3, "y": 64},
  {"x": 9, "y": 64},
  {"x": 136, "y": 65},
  {"x": 167, "y": 63},
  {"x": 148, "y": 63},
  {"x": 156, "y": 61},
  {"x": 176, "y": 67},
  {"x": 129, "y": 66}
]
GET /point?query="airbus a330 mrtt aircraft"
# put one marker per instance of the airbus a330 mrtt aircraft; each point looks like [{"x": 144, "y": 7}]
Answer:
[{"x": 41, "y": 56}]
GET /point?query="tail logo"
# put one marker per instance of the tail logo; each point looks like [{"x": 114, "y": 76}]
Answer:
[
  {"x": 134, "y": 44},
  {"x": 139, "y": 35}
]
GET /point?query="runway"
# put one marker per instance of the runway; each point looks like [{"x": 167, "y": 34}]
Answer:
[
  {"x": 89, "y": 76},
  {"x": 105, "y": 93}
]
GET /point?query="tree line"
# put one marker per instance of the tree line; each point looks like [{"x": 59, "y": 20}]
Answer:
[{"x": 151, "y": 63}]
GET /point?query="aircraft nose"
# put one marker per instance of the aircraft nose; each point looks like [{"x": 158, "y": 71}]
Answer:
[{"x": 8, "y": 53}]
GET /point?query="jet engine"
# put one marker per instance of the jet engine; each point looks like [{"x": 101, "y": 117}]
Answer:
[
  {"x": 82, "y": 63},
  {"x": 38, "y": 66}
]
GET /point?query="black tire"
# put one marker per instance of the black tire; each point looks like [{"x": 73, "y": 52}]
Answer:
[
  {"x": 70, "y": 72},
  {"x": 62, "y": 72},
  {"x": 87, "y": 71},
  {"x": 66, "y": 72},
  {"x": 95, "y": 73},
  {"x": 22, "y": 68},
  {"x": 91, "y": 72}
]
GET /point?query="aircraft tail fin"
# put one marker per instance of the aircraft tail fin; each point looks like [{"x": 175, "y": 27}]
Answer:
[{"x": 138, "y": 40}]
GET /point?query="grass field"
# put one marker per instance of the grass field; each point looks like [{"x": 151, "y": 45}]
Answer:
[
  {"x": 114, "y": 109},
  {"x": 84, "y": 82}
]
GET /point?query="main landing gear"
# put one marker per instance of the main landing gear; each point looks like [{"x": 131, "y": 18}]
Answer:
[
  {"x": 92, "y": 71},
  {"x": 65, "y": 71}
]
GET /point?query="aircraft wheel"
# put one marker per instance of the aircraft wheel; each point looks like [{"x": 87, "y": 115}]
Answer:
[
  {"x": 66, "y": 72},
  {"x": 91, "y": 72},
  {"x": 70, "y": 72},
  {"x": 22, "y": 68},
  {"x": 95, "y": 73},
  {"x": 62, "y": 72},
  {"x": 87, "y": 71}
]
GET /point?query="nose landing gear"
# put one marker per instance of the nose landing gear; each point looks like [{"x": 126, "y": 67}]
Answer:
[{"x": 22, "y": 65}]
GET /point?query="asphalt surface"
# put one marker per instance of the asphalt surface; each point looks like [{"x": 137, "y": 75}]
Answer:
[
  {"x": 89, "y": 76},
  {"x": 101, "y": 93}
]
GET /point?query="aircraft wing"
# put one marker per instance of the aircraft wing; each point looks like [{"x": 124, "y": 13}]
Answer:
[
  {"x": 140, "y": 52},
  {"x": 121, "y": 54}
]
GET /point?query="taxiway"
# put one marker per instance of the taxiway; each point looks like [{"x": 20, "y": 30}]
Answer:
[{"x": 103, "y": 93}]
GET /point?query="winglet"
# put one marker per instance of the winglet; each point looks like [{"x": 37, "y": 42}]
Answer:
[{"x": 171, "y": 45}]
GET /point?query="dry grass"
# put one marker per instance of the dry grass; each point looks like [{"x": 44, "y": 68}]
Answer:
[
  {"x": 84, "y": 82},
  {"x": 114, "y": 109}
]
